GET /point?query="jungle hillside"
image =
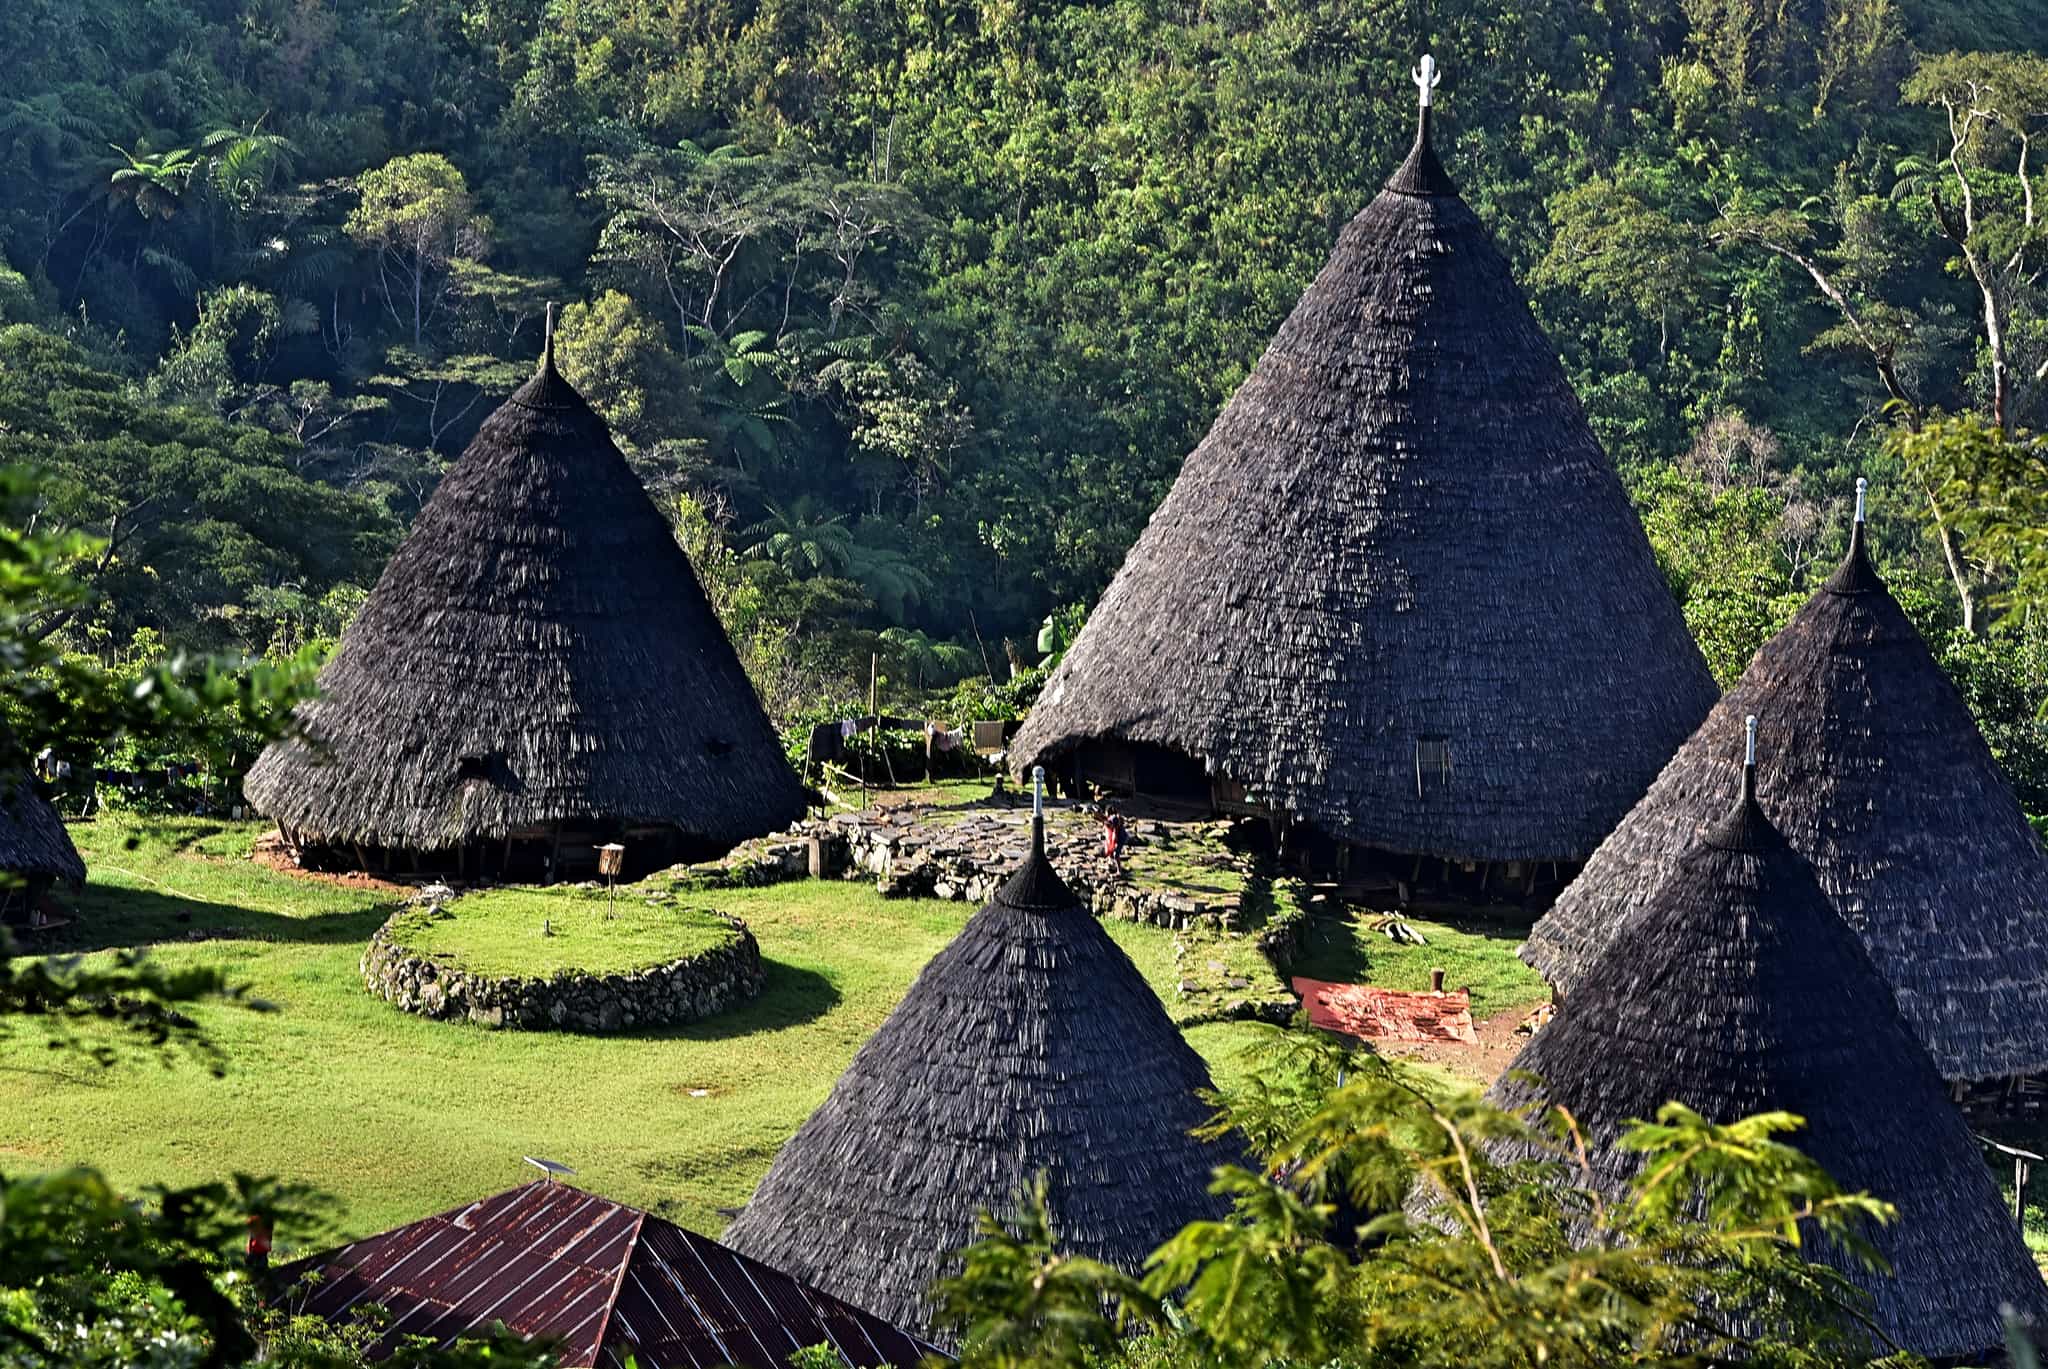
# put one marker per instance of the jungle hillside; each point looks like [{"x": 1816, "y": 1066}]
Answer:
[{"x": 908, "y": 312}]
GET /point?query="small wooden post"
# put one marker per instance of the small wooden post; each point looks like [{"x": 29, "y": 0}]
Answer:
[
  {"x": 2019, "y": 1187},
  {"x": 611, "y": 858}
]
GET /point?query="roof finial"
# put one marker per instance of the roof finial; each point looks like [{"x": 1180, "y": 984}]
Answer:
[
  {"x": 1862, "y": 487},
  {"x": 1426, "y": 77},
  {"x": 548, "y": 349},
  {"x": 1038, "y": 810},
  {"x": 1749, "y": 758},
  {"x": 1422, "y": 173}
]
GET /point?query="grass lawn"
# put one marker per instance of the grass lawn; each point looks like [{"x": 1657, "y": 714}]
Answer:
[
  {"x": 1478, "y": 954},
  {"x": 500, "y": 931},
  {"x": 398, "y": 1116},
  {"x": 945, "y": 793}
]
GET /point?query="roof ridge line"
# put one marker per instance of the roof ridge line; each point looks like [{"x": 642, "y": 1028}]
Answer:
[{"x": 611, "y": 1302}]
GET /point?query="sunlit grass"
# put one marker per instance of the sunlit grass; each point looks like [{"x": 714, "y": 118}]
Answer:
[
  {"x": 537, "y": 933},
  {"x": 399, "y": 1116}
]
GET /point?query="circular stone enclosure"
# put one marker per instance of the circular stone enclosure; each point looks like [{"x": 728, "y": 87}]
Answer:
[{"x": 484, "y": 957}]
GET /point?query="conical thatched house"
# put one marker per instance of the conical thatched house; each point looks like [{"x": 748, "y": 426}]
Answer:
[
  {"x": 1738, "y": 990},
  {"x": 35, "y": 851},
  {"x": 1885, "y": 786},
  {"x": 1030, "y": 1044},
  {"x": 536, "y": 671},
  {"x": 1397, "y": 595}
]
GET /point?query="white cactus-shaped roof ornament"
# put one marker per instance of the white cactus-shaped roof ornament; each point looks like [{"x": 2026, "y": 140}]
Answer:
[{"x": 1427, "y": 78}]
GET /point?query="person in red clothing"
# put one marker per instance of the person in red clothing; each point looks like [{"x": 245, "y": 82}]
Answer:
[{"x": 1112, "y": 836}]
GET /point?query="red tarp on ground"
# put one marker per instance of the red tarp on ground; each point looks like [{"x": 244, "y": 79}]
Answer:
[{"x": 1388, "y": 1014}]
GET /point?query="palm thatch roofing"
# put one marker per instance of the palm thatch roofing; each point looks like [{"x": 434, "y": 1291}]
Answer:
[
  {"x": 33, "y": 842},
  {"x": 1738, "y": 990},
  {"x": 1029, "y": 1044},
  {"x": 538, "y": 652},
  {"x": 1398, "y": 592},
  {"x": 609, "y": 1283},
  {"x": 1883, "y": 783}
]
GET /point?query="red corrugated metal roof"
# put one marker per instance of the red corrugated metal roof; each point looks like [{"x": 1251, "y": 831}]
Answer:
[
  {"x": 604, "y": 1279},
  {"x": 1375, "y": 1014}
]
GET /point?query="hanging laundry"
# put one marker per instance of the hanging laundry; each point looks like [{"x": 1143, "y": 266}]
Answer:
[{"x": 827, "y": 743}]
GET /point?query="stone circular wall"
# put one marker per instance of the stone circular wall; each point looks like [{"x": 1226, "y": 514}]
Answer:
[{"x": 664, "y": 996}]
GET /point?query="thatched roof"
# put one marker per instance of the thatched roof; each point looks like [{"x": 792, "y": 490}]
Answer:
[
  {"x": 1029, "y": 1044},
  {"x": 1400, "y": 529},
  {"x": 1739, "y": 990},
  {"x": 1880, "y": 779},
  {"x": 33, "y": 842},
  {"x": 538, "y": 651},
  {"x": 607, "y": 1282}
]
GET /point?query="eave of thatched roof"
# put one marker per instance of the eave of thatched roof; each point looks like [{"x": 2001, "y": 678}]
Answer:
[
  {"x": 1880, "y": 779},
  {"x": 1030, "y": 1044},
  {"x": 1399, "y": 528},
  {"x": 1739, "y": 990},
  {"x": 33, "y": 842},
  {"x": 538, "y": 651}
]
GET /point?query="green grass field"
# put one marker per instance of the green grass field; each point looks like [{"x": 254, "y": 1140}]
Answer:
[
  {"x": 397, "y": 1116},
  {"x": 537, "y": 933}
]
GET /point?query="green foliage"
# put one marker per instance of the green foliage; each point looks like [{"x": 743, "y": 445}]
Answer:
[
  {"x": 966, "y": 284},
  {"x": 193, "y": 515},
  {"x": 620, "y": 359},
  {"x": 417, "y": 215},
  {"x": 1993, "y": 486},
  {"x": 1479, "y": 1241}
]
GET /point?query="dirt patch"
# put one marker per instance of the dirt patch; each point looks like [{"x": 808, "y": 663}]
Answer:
[
  {"x": 1500, "y": 1040},
  {"x": 271, "y": 853}
]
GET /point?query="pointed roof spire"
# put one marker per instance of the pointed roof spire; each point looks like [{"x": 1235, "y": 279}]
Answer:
[
  {"x": 1422, "y": 173},
  {"x": 548, "y": 389},
  {"x": 1742, "y": 829},
  {"x": 1856, "y": 575},
  {"x": 1749, "y": 758},
  {"x": 1037, "y": 885}
]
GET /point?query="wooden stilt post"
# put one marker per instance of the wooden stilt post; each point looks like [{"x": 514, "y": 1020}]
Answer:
[{"x": 874, "y": 684}]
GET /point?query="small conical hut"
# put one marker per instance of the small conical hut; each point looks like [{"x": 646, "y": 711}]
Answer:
[
  {"x": 1882, "y": 783},
  {"x": 1738, "y": 990},
  {"x": 1029, "y": 1044},
  {"x": 536, "y": 672},
  {"x": 1397, "y": 596},
  {"x": 35, "y": 851}
]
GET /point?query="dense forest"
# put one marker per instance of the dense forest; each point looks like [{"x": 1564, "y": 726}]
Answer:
[{"x": 909, "y": 309}]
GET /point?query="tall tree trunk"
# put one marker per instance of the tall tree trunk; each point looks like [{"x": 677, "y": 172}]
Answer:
[{"x": 1958, "y": 572}]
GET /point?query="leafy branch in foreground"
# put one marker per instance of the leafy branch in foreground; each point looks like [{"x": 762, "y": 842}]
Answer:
[
  {"x": 140, "y": 1001},
  {"x": 1392, "y": 1227},
  {"x": 1993, "y": 485}
]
